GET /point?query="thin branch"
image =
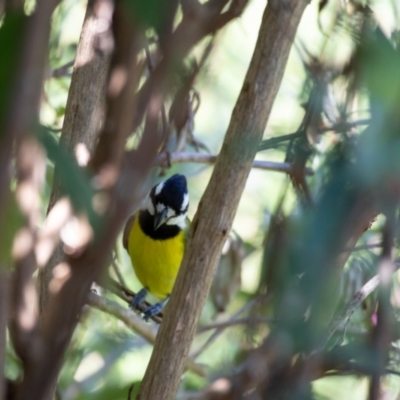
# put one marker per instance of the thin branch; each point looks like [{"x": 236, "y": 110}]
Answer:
[
  {"x": 221, "y": 326},
  {"x": 64, "y": 70},
  {"x": 117, "y": 272},
  {"x": 348, "y": 310},
  {"x": 275, "y": 141},
  {"x": 174, "y": 158},
  {"x": 127, "y": 295},
  {"x": 135, "y": 323},
  {"x": 339, "y": 127},
  {"x": 241, "y": 321},
  {"x": 345, "y": 126},
  {"x": 362, "y": 247},
  {"x": 220, "y": 330}
]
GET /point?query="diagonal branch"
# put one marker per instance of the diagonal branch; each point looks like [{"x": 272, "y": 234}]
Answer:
[
  {"x": 218, "y": 206},
  {"x": 134, "y": 322}
]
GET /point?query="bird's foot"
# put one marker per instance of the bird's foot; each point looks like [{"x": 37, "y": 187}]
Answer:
[
  {"x": 154, "y": 310},
  {"x": 138, "y": 299}
]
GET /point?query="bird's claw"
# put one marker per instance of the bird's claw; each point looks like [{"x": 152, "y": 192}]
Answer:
[
  {"x": 138, "y": 299},
  {"x": 152, "y": 311}
]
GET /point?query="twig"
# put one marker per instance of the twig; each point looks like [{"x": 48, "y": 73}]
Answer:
[
  {"x": 124, "y": 314},
  {"x": 175, "y": 158},
  {"x": 131, "y": 389},
  {"x": 240, "y": 321},
  {"x": 117, "y": 272},
  {"x": 362, "y": 247},
  {"x": 273, "y": 142},
  {"x": 348, "y": 310},
  {"x": 64, "y": 70},
  {"x": 343, "y": 126},
  {"x": 135, "y": 323},
  {"x": 340, "y": 127},
  {"x": 220, "y": 329}
]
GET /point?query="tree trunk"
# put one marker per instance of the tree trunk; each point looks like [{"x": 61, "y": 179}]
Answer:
[
  {"x": 83, "y": 114},
  {"x": 217, "y": 208}
]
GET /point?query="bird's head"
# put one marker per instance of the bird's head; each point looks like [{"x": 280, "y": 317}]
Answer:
[{"x": 168, "y": 202}]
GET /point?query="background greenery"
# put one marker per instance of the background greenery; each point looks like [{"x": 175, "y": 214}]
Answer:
[{"x": 105, "y": 357}]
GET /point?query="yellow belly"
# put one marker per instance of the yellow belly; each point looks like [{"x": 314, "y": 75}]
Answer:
[{"x": 156, "y": 262}]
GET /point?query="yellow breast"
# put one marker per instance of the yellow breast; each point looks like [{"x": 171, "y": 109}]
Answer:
[{"x": 156, "y": 262}]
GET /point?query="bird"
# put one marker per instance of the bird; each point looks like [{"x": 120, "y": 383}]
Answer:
[{"x": 155, "y": 238}]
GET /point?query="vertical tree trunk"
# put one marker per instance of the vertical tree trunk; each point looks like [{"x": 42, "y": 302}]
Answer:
[
  {"x": 83, "y": 114},
  {"x": 217, "y": 208}
]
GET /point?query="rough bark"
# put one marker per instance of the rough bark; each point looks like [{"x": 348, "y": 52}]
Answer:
[
  {"x": 72, "y": 281},
  {"x": 83, "y": 114},
  {"x": 217, "y": 208}
]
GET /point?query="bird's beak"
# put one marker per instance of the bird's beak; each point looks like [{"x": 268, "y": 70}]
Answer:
[{"x": 160, "y": 218}]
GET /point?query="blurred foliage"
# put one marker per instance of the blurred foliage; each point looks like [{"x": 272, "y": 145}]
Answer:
[
  {"x": 343, "y": 71},
  {"x": 10, "y": 40},
  {"x": 73, "y": 181}
]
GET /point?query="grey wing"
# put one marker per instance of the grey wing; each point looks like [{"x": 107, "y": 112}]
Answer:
[{"x": 127, "y": 229}]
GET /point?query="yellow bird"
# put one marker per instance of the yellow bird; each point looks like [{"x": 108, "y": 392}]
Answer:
[{"x": 155, "y": 240}]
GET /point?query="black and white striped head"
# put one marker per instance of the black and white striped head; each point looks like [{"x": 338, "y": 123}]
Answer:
[{"x": 168, "y": 202}]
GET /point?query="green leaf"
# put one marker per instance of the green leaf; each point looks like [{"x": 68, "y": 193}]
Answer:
[{"x": 149, "y": 12}]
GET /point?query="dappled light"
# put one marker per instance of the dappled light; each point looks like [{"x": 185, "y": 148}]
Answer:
[
  {"x": 61, "y": 273},
  {"x": 76, "y": 234},
  {"x": 23, "y": 244},
  {"x": 200, "y": 200}
]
